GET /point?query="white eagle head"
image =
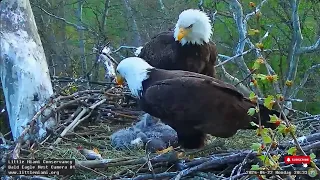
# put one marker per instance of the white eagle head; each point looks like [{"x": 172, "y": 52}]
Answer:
[
  {"x": 134, "y": 70},
  {"x": 193, "y": 26}
]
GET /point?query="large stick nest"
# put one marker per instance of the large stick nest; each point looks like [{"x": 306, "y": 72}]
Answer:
[{"x": 87, "y": 118}]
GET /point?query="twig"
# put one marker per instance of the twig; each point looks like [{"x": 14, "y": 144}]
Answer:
[
  {"x": 79, "y": 27},
  {"x": 238, "y": 176},
  {"x": 295, "y": 44},
  {"x": 2, "y": 139},
  {"x": 239, "y": 166},
  {"x": 245, "y": 78},
  {"x": 234, "y": 57},
  {"x": 63, "y": 79},
  {"x": 104, "y": 163},
  {"x": 75, "y": 113},
  {"x": 214, "y": 162},
  {"x": 233, "y": 79},
  {"x": 315, "y": 145},
  {"x": 121, "y": 114},
  {"x": 87, "y": 116},
  {"x": 295, "y": 138},
  {"x": 125, "y": 47},
  {"x": 310, "y": 49},
  {"x": 257, "y": 9},
  {"x": 304, "y": 80},
  {"x": 71, "y": 125},
  {"x": 94, "y": 171}
]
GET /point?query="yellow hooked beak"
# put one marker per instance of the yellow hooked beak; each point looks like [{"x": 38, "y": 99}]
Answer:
[
  {"x": 182, "y": 33},
  {"x": 119, "y": 80}
]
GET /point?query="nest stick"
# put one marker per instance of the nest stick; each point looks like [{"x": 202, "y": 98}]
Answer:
[
  {"x": 92, "y": 107},
  {"x": 79, "y": 119},
  {"x": 84, "y": 110}
]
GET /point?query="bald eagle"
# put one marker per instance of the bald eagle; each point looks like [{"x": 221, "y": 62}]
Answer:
[
  {"x": 187, "y": 48},
  {"x": 191, "y": 103}
]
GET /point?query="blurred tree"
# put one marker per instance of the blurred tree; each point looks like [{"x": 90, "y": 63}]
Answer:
[{"x": 24, "y": 72}]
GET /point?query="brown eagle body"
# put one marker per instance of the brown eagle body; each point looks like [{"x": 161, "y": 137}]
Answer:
[
  {"x": 164, "y": 52},
  {"x": 194, "y": 105}
]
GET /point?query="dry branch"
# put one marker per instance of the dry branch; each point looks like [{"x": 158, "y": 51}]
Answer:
[{"x": 104, "y": 163}]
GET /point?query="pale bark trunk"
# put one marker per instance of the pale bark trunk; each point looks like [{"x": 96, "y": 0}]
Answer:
[
  {"x": 81, "y": 40},
  {"x": 24, "y": 71}
]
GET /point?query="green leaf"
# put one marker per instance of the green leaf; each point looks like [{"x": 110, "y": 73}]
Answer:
[
  {"x": 281, "y": 128},
  {"x": 312, "y": 156},
  {"x": 292, "y": 150},
  {"x": 289, "y": 83},
  {"x": 273, "y": 118},
  {"x": 261, "y": 77},
  {"x": 255, "y": 167},
  {"x": 279, "y": 97},
  {"x": 263, "y": 131},
  {"x": 252, "y": 32},
  {"x": 269, "y": 101},
  {"x": 254, "y": 124},
  {"x": 263, "y": 158},
  {"x": 276, "y": 157},
  {"x": 266, "y": 161},
  {"x": 252, "y": 95},
  {"x": 251, "y": 111},
  {"x": 255, "y": 146},
  {"x": 256, "y": 65},
  {"x": 293, "y": 128},
  {"x": 266, "y": 139}
]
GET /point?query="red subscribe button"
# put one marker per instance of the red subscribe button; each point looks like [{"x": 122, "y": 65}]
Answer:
[{"x": 297, "y": 159}]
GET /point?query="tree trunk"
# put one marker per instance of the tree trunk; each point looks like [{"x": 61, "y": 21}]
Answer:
[
  {"x": 81, "y": 41},
  {"x": 24, "y": 71}
]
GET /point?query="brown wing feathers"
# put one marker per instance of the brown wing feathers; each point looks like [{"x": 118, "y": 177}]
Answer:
[
  {"x": 198, "y": 104},
  {"x": 246, "y": 103}
]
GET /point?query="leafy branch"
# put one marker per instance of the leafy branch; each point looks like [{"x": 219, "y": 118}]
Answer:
[{"x": 283, "y": 128}]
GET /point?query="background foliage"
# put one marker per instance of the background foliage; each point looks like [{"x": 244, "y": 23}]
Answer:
[{"x": 134, "y": 22}]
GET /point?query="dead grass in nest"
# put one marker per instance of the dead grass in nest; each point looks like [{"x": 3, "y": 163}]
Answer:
[{"x": 67, "y": 149}]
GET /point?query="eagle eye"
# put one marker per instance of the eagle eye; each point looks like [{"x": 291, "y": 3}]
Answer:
[{"x": 190, "y": 26}]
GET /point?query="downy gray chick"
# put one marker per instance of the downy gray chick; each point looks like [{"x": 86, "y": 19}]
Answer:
[{"x": 149, "y": 129}]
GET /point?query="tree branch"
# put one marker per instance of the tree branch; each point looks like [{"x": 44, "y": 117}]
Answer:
[
  {"x": 248, "y": 16},
  {"x": 304, "y": 80},
  {"x": 242, "y": 31},
  {"x": 269, "y": 68},
  {"x": 105, "y": 14},
  {"x": 232, "y": 58},
  {"x": 235, "y": 81},
  {"x": 293, "y": 59},
  {"x": 78, "y": 27},
  {"x": 310, "y": 49},
  {"x": 124, "y": 47}
]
